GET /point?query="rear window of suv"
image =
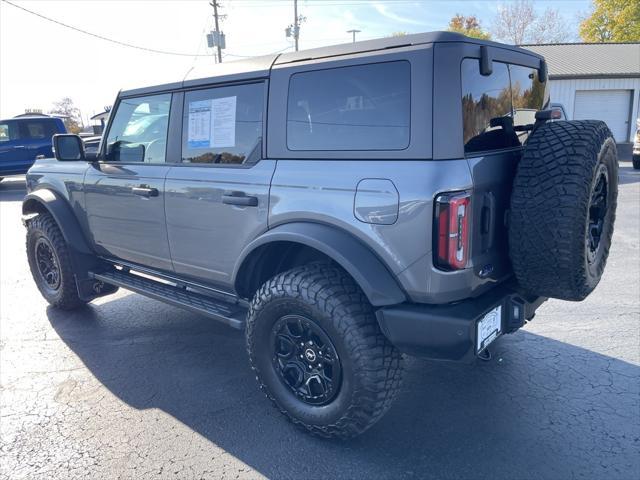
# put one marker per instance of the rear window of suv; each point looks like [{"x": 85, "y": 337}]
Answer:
[
  {"x": 363, "y": 107},
  {"x": 497, "y": 106}
]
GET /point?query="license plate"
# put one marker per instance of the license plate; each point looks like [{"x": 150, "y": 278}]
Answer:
[{"x": 489, "y": 328}]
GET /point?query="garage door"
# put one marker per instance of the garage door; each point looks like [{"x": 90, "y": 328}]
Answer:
[{"x": 611, "y": 106}]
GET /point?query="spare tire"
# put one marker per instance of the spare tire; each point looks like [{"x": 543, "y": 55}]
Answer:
[{"x": 563, "y": 208}]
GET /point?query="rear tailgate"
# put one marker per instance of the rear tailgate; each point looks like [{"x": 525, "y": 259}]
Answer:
[{"x": 492, "y": 182}]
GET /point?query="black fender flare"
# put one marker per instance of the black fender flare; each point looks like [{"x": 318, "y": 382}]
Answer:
[
  {"x": 377, "y": 282},
  {"x": 62, "y": 213}
]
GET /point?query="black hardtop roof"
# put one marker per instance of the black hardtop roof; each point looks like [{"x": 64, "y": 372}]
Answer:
[{"x": 259, "y": 67}]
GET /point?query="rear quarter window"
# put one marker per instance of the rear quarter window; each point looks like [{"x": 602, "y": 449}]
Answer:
[{"x": 362, "y": 107}]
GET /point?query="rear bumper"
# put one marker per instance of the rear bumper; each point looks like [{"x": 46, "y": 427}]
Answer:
[{"x": 448, "y": 332}]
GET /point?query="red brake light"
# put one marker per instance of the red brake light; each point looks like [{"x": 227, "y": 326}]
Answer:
[{"x": 452, "y": 221}]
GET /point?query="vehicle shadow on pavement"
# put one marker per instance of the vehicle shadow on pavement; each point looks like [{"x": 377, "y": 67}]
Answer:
[{"x": 540, "y": 409}]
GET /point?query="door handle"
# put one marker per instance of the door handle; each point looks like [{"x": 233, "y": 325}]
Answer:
[
  {"x": 239, "y": 198},
  {"x": 19, "y": 146},
  {"x": 145, "y": 191}
]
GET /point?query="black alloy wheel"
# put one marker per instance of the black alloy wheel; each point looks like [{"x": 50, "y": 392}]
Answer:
[
  {"x": 306, "y": 360},
  {"x": 48, "y": 264},
  {"x": 597, "y": 213}
]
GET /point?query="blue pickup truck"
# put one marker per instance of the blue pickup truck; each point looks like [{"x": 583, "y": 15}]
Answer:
[{"x": 23, "y": 139}]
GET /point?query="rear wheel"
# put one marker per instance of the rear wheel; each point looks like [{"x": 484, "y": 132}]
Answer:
[
  {"x": 50, "y": 263},
  {"x": 636, "y": 162},
  {"x": 318, "y": 353},
  {"x": 563, "y": 209}
]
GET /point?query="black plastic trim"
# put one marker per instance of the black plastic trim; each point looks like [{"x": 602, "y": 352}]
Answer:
[
  {"x": 448, "y": 332},
  {"x": 229, "y": 313},
  {"x": 62, "y": 213},
  {"x": 378, "y": 283}
]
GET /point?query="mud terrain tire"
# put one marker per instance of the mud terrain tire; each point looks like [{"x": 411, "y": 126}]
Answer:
[{"x": 563, "y": 209}]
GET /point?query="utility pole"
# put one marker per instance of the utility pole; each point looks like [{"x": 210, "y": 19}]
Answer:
[
  {"x": 353, "y": 32},
  {"x": 296, "y": 25},
  {"x": 215, "y": 5},
  {"x": 293, "y": 30}
]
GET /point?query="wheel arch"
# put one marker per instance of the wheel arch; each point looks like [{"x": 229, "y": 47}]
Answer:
[
  {"x": 292, "y": 244},
  {"x": 47, "y": 201}
]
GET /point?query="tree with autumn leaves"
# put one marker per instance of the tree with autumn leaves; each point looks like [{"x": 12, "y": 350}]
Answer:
[
  {"x": 469, "y": 26},
  {"x": 518, "y": 22}
]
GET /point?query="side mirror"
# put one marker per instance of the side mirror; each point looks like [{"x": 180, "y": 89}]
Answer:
[{"x": 68, "y": 148}]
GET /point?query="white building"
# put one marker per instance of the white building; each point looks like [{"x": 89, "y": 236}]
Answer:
[{"x": 596, "y": 81}]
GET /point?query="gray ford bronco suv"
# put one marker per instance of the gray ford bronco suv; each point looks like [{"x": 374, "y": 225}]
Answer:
[{"x": 342, "y": 205}]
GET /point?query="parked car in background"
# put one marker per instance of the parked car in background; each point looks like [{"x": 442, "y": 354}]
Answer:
[
  {"x": 24, "y": 139},
  {"x": 91, "y": 144},
  {"x": 560, "y": 107},
  {"x": 636, "y": 147}
]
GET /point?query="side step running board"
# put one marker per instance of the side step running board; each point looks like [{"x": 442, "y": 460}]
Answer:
[{"x": 229, "y": 313}]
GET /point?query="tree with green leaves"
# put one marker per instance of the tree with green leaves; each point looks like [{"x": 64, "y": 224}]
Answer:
[
  {"x": 469, "y": 26},
  {"x": 70, "y": 113},
  {"x": 612, "y": 21}
]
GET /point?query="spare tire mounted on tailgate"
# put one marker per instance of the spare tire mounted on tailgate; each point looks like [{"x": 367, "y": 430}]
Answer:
[{"x": 563, "y": 209}]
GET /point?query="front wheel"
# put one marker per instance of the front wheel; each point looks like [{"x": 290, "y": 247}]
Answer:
[
  {"x": 318, "y": 352},
  {"x": 50, "y": 263}
]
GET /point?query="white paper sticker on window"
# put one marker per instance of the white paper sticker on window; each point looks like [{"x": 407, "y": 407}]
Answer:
[
  {"x": 199, "y": 135},
  {"x": 223, "y": 125}
]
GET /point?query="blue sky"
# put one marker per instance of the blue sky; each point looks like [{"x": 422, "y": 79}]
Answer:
[{"x": 40, "y": 61}]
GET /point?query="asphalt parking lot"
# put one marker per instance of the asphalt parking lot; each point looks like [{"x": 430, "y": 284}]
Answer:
[{"x": 132, "y": 388}]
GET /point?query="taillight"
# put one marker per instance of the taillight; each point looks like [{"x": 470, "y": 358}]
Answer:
[{"x": 452, "y": 230}]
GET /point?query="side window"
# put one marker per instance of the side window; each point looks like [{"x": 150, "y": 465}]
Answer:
[
  {"x": 486, "y": 101},
  {"x": 35, "y": 130},
  {"x": 364, "y": 107},
  {"x": 8, "y": 131},
  {"x": 138, "y": 132},
  {"x": 223, "y": 125},
  {"x": 528, "y": 95},
  {"x": 4, "y": 132},
  {"x": 38, "y": 129}
]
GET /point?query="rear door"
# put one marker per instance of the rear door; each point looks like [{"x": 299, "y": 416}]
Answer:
[
  {"x": 37, "y": 134},
  {"x": 217, "y": 197},
  {"x": 496, "y": 109},
  {"x": 124, "y": 191}
]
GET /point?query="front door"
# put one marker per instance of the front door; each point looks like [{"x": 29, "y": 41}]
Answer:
[
  {"x": 217, "y": 198},
  {"x": 14, "y": 152},
  {"x": 124, "y": 192}
]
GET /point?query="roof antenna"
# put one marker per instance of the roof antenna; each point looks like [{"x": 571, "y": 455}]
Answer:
[{"x": 188, "y": 72}]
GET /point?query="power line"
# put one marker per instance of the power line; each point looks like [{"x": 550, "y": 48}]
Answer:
[{"x": 117, "y": 42}]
